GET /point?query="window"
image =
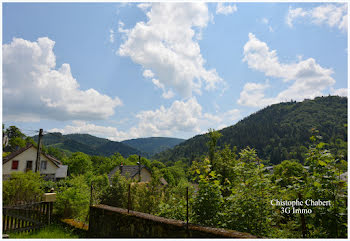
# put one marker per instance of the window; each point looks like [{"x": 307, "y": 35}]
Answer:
[
  {"x": 14, "y": 165},
  {"x": 29, "y": 165},
  {"x": 43, "y": 165}
]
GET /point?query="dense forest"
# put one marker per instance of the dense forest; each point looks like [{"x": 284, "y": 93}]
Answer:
[
  {"x": 92, "y": 145},
  {"x": 278, "y": 132}
]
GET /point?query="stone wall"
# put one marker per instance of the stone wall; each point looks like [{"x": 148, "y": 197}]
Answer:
[{"x": 111, "y": 222}]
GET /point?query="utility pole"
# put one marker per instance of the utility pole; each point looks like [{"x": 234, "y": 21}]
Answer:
[
  {"x": 139, "y": 163},
  {"x": 37, "y": 162}
]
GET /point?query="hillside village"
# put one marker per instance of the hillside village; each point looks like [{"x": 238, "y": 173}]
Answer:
[
  {"x": 171, "y": 119},
  {"x": 80, "y": 180}
]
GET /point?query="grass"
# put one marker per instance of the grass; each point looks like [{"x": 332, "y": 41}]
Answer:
[{"x": 52, "y": 231}]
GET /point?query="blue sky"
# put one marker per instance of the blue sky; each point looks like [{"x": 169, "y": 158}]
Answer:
[{"x": 129, "y": 70}]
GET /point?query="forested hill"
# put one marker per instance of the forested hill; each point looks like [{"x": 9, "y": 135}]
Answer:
[
  {"x": 88, "y": 144},
  {"x": 153, "y": 145},
  {"x": 278, "y": 132},
  {"x": 93, "y": 145}
]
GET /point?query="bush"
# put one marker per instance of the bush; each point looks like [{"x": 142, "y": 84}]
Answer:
[
  {"x": 22, "y": 187},
  {"x": 73, "y": 198},
  {"x": 117, "y": 193}
]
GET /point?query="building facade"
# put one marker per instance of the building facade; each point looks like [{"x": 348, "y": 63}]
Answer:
[{"x": 24, "y": 160}]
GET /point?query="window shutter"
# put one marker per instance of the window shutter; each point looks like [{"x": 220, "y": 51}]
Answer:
[{"x": 14, "y": 165}]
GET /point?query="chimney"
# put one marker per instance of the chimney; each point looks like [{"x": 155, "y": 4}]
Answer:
[{"x": 121, "y": 168}]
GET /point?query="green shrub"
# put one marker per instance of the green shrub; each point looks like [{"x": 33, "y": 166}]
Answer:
[
  {"x": 22, "y": 187},
  {"x": 73, "y": 198}
]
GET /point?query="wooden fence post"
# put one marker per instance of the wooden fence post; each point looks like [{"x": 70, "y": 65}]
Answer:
[
  {"x": 129, "y": 198},
  {"x": 91, "y": 194},
  {"x": 187, "y": 208}
]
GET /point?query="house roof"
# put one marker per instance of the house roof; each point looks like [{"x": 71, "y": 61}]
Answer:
[
  {"x": 344, "y": 176},
  {"x": 163, "y": 181},
  {"x": 19, "y": 151},
  {"x": 61, "y": 172},
  {"x": 130, "y": 171}
]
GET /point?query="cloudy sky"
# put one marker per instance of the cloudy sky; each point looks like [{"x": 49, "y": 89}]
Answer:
[{"x": 129, "y": 70}]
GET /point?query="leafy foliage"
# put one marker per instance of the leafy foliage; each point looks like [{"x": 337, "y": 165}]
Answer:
[
  {"x": 16, "y": 139},
  {"x": 22, "y": 187},
  {"x": 242, "y": 201},
  {"x": 208, "y": 201},
  {"x": 73, "y": 198},
  {"x": 116, "y": 193},
  {"x": 79, "y": 163}
]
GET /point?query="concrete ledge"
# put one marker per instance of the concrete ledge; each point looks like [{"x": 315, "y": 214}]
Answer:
[
  {"x": 107, "y": 221},
  {"x": 146, "y": 216}
]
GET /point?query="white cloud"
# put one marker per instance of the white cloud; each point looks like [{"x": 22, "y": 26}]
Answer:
[
  {"x": 166, "y": 44},
  {"x": 111, "y": 36},
  {"x": 310, "y": 79},
  {"x": 266, "y": 22},
  {"x": 340, "y": 92},
  {"x": 168, "y": 94},
  {"x": 333, "y": 15},
  {"x": 293, "y": 14},
  {"x": 148, "y": 73},
  {"x": 158, "y": 84},
  {"x": 181, "y": 118},
  {"x": 108, "y": 132},
  {"x": 253, "y": 95},
  {"x": 225, "y": 8},
  {"x": 34, "y": 89},
  {"x": 144, "y": 6}
]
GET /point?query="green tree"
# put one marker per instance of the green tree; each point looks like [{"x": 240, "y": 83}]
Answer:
[
  {"x": 157, "y": 164},
  {"x": 73, "y": 198},
  {"x": 288, "y": 173},
  {"x": 16, "y": 142},
  {"x": 324, "y": 183},
  {"x": 79, "y": 163},
  {"x": 100, "y": 185},
  {"x": 146, "y": 197},
  {"x": 13, "y": 132},
  {"x": 226, "y": 160},
  {"x": 213, "y": 139},
  {"x": 173, "y": 203},
  {"x": 248, "y": 207},
  {"x": 207, "y": 204},
  {"x": 22, "y": 187},
  {"x": 116, "y": 194}
]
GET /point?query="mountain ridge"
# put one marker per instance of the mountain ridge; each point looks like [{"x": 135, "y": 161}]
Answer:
[
  {"x": 93, "y": 145},
  {"x": 277, "y": 132},
  {"x": 153, "y": 145}
]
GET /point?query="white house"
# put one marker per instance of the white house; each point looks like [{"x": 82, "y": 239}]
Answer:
[{"x": 24, "y": 160}]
